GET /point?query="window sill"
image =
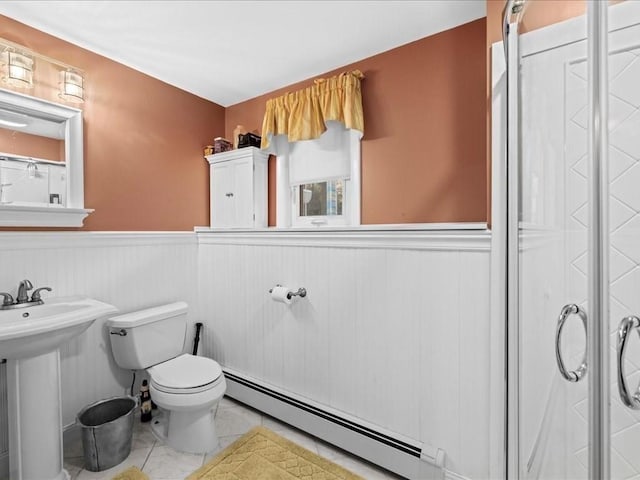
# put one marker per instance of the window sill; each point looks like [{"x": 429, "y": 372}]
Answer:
[{"x": 32, "y": 216}]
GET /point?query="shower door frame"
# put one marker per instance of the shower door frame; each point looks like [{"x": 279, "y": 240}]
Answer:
[{"x": 508, "y": 174}]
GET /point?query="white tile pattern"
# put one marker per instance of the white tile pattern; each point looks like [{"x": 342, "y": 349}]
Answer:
[
  {"x": 160, "y": 462},
  {"x": 554, "y": 260},
  {"x": 625, "y": 247},
  {"x": 625, "y": 283}
]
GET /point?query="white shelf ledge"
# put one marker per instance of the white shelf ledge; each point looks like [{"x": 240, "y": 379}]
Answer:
[{"x": 35, "y": 216}]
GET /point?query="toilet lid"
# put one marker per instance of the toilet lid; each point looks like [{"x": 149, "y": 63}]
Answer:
[{"x": 186, "y": 371}]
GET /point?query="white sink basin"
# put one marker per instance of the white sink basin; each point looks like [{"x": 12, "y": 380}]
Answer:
[
  {"x": 29, "y": 339},
  {"x": 32, "y": 331}
]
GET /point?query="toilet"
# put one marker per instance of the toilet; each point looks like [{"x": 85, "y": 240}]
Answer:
[{"x": 187, "y": 388}]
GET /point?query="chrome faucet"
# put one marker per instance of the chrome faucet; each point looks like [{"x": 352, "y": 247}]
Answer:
[
  {"x": 23, "y": 288},
  {"x": 22, "y": 299}
]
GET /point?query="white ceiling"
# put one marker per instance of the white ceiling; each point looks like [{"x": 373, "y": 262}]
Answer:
[{"x": 230, "y": 51}]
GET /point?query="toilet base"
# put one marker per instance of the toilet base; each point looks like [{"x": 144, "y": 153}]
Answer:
[{"x": 189, "y": 432}]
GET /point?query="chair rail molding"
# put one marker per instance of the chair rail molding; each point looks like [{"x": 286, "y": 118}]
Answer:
[
  {"x": 37, "y": 240},
  {"x": 473, "y": 239}
]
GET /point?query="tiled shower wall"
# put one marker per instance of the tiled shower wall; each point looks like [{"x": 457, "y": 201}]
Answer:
[
  {"x": 554, "y": 262},
  {"x": 624, "y": 224},
  {"x": 128, "y": 270}
]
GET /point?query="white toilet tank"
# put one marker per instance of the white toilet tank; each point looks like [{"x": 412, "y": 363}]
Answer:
[{"x": 147, "y": 337}]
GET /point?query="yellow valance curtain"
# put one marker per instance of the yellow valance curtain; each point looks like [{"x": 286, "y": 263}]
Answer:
[{"x": 302, "y": 115}]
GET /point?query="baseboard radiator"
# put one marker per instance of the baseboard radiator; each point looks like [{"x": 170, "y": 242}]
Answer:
[{"x": 404, "y": 457}]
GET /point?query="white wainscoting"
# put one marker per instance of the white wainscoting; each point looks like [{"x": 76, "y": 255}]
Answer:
[
  {"x": 395, "y": 328},
  {"x": 130, "y": 270}
]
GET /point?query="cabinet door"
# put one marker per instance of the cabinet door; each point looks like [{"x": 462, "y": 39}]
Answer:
[
  {"x": 222, "y": 195},
  {"x": 243, "y": 193}
]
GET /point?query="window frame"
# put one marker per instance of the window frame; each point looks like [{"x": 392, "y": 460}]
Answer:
[
  {"x": 287, "y": 201},
  {"x": 298, "y": 220}
]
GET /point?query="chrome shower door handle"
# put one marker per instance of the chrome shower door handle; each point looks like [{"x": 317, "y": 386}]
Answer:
[
  {"x": 626, "y": 326},
  {"x": 579, "y": 373}
]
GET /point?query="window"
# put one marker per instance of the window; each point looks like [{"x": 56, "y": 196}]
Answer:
[
  {"x": 319, "y": 180},
  {"x": 320, "y": 202}
]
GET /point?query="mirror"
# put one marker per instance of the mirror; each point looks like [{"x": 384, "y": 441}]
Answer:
[
  {"x": 41, "y": 163},
  {"x": 32, "y": 167}
]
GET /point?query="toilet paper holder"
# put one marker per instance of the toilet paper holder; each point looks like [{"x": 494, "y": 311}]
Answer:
[{"x": 302, "y": 292}]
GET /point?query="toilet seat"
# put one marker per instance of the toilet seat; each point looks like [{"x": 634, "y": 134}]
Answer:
[{"x": 186, "y": 374}]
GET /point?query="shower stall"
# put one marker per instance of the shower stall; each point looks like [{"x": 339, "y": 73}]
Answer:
[{"x": 566, "y": 116}]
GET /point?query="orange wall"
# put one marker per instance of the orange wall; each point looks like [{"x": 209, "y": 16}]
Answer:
[
  {"x": 143, "y": 140},
  {"x": 423, "y": 151},
  {"x": 427, "y": 122}
]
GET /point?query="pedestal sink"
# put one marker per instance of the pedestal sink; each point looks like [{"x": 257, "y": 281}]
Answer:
[{"x": 29, "y": 339}]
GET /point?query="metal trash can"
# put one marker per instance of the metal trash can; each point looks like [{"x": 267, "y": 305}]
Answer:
[{"x": 107, "y": 428}]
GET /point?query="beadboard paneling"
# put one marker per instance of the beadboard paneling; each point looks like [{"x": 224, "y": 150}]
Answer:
[
  {"x": 398, "y": 337},
  {"x": 395, "y": 329},
  {"x": 129, "y": 270}
]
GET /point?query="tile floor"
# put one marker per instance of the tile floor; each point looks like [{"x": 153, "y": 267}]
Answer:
[{"x": 233, "y": 420}]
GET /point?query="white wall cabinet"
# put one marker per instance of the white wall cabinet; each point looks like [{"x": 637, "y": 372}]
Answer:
[{"x": 238, "y": 181}]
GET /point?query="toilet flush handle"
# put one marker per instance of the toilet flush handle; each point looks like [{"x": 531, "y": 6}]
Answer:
[{"x": 122, "y": 332}]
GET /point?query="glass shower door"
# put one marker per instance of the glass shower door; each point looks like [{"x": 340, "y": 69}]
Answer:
[
  {"x": 574, "y": 163},
  {"x": 552, "y": 229},
  {"x": 624, "y": 227}
]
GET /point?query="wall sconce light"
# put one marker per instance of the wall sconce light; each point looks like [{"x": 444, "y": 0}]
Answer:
[
  {"x": 17, "y": 69},
  {"x": 71, "y": 86}
]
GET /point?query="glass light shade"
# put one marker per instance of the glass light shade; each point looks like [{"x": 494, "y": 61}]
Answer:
[
  {"x": 17, "y": 69},
  {"x": 71, "y": 86}
]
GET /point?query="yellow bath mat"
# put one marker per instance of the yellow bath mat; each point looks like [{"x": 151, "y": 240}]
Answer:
[
  {"x": 132, "y": 473},
  {"x": 261, "y": 454}
]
